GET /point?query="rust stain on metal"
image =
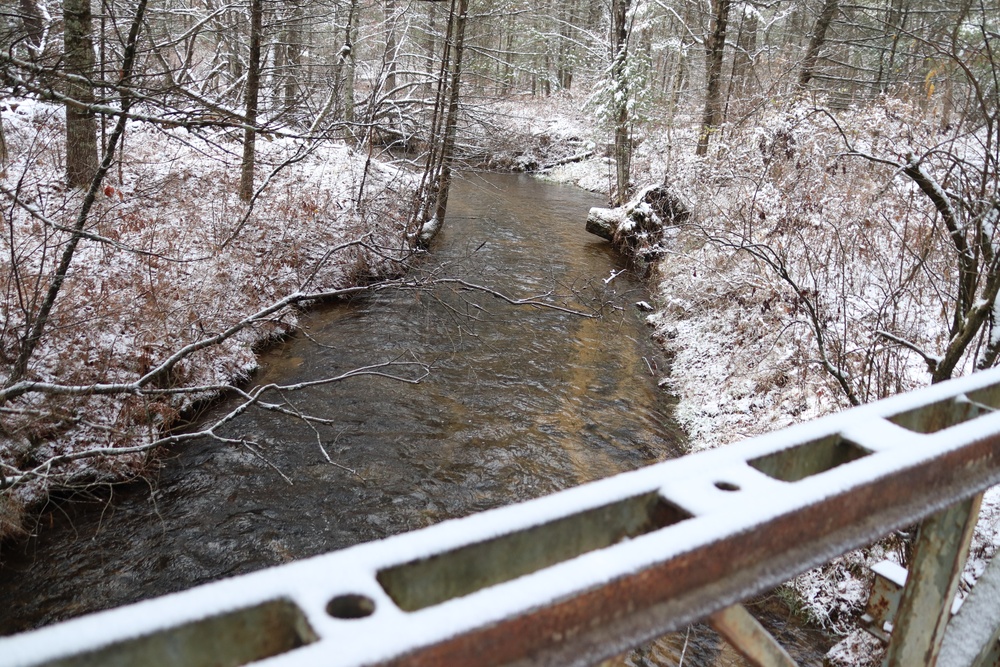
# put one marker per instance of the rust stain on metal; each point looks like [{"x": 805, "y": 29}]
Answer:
[{"x": 673, "y": 593}]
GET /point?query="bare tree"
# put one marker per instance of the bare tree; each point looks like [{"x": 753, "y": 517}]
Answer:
[
  {"x": 34, "y": 18},
  {"x": 715, "y": 45},
  {"x": 620, "y": 97},
  {"x": 38, "y": 321},
  {"x": 81, "y": 124},
  {"x": 432, "y": 194},
  {"x": 252, "y": 101},
  {"x": 823, "y": 21},
  {"x": 452, "y": 89}
]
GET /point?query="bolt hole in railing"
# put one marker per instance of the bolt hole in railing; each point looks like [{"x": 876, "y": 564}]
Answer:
[
  {"x": 727, "y": 486},
  {"x": 351, "y": 606}
]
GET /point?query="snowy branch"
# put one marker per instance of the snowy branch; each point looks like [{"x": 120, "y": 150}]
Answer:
[
  {"x": 770, "y": 257},
  {"x": 15, "y": 477},
  {"x": 533, "y": 301},
  {"x": 931, "y": 360},
  {"x": 164, "y": 367}
]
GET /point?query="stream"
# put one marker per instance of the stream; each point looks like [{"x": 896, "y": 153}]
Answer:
[{"x": 520, "y": 402}]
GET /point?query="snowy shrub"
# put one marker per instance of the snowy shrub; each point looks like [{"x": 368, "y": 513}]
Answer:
[
  {"x": 822, "y": 272},
  {"x": 527, "y": 134}
]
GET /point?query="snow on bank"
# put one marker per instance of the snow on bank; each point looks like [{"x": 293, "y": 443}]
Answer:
[
  {"x": 179, "y": 258},
  {"x": 530, "y": 134},
  {"x": 856, "y": 240}
]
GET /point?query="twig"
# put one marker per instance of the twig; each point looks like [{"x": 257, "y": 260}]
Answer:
[
  {"x": 528, "y": 301},
  {"x": 247, "y": 445}
]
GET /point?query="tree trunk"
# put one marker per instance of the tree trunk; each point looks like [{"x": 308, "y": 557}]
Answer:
[
  {"x": 620, "y": 86},
  {"x": 252, "y": 93},
  {"x": 896, "y": 14},
  {"x": 507, "y": 59},
  {"x": 391, "y": 47},
  {"x": 566, "y": 34},
  {"x": 294, "y": 59},
  {"x": 676, "y": 74},
  {"x": 451, "y": 124},
  {"x": 948, "y": 104},
  {"x": 430, "y": 46},
  {"x": 81, "y": 124},
  {"x": 3, "y": 148},
  {"x": 823, "y": 22},
  {"x": 746, "y": 48},
  {"x": 346, "y": 70},
  {"x": 288, "y": 58},
  {"x": 33, "y": 17},
  {"x": 715, "y": 48}
]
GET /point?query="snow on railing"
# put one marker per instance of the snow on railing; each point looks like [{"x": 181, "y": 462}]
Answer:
[{"x": 587, "y": 573}]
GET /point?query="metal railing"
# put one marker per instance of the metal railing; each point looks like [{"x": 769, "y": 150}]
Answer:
[{"x": 585, "y": 574}]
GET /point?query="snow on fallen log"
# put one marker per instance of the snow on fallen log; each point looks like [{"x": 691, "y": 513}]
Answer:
[
  {"x": 604, "y": 221},
  {"x": 578, "y": 157},
  {"x": 637, "y": 227}
]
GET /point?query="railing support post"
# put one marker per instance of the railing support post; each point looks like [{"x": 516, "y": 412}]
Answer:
[
  {"x": 939, "y": 554},
  {"x": 749, "y": 637},
  {"x": 973, "y": 634}
]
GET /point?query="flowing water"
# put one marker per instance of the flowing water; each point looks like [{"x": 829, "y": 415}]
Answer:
[{"x": 520, "y": 401}]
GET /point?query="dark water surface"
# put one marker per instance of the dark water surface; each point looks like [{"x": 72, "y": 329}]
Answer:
[{"x": 520, "y": 402}]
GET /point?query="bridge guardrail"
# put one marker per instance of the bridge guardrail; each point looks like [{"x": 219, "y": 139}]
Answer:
[{"x": 587, "y": 573}]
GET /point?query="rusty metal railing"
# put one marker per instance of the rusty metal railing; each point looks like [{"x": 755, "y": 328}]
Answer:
[{"x": 585, "y": 574}]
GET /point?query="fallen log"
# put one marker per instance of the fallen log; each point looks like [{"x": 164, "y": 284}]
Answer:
[
  {"x": 637, "y": 227},
  {"x": 604, "y": 222},
  {"x": 579, "y": 157}
]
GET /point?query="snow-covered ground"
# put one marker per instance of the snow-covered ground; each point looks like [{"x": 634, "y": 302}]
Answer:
[
  {"x": 173, "y": 257},
  {"x": 856, "y": 240}
]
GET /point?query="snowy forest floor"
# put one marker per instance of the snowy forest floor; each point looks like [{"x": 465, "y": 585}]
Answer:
[
  {"x": 172, "y": 257},
  {"x": 744, "y": 355}
]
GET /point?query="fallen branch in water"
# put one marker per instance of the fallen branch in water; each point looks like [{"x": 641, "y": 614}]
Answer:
[
  {"x": 253, "y": 398},
  {"x": 533, "y": 301}
]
